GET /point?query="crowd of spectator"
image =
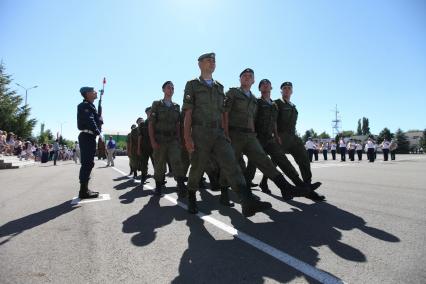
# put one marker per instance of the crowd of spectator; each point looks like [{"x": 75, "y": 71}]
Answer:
[{"x": 13, "y": 145}]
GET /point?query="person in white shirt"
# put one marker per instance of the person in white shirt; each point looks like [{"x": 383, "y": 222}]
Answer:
[
  {"x": 385, "y": 147},
  {"x": 342, "y": 146},
  {"x": 392, "y": 148},
  {"x": 333, "y": 148},
  {"x": 324, "y": 149},
  {"x": 370, "y": 150},
  {"x": 358, "y": 148},
  {"x": 76, "y": 151},
  {"x": 310, "y": 147},
  {"x": 351, "y": 150}
]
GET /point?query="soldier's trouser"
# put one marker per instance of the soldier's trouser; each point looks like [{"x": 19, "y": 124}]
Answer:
[
  {"x": 145, "y": 155},
  {"x": 352, "y": 154},
  {"x": 212, "y": 142},
  {"x": 343, "y": 153},
  {"x": 185, "y": 160},
  {"x": 324, "y": 154},
  {"x": 87, "y": 143},
  {"x": 370, "y": 153},
  {"x": 333, "y": 154},
  {"x": 247, "y": 144},
  {"x": 393, "y": 154},
  {"x": 310, "y": 154},
  {"x": 168, "y": 151},
  {"x": 385, "y": 154},
  {"x": 316, "y": 155},
  {"x": 110, "y": 156},
  {"x": 279, "y": 158},
  {"x": 293, "y": 145}
]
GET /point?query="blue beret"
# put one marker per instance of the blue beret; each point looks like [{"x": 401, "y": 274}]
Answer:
[
  {"x": 207, "y": 55},
  {"x": 84, "y": 90},
  {"x": 286, "y": 84},
  {"x": 247, "y": 70},
  {"x": 264, "y": 81}
]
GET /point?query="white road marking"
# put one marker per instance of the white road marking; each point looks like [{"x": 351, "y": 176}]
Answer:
[
  {"x": 285, "y": 258},
  {"x": 101, "y": 197}
]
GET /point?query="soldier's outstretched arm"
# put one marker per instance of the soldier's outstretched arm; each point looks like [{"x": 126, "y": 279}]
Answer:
[{"x": 152, "y": 136}]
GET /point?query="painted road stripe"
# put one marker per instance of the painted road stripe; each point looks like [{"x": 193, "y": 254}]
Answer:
[
  {"x": 101, "y": 197},
  {"x": 285, "y": 258}
]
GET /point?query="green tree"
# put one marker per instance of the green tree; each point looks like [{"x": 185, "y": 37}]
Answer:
[
  {"x": 309, "y": 133},
  {"x": 359, "y": 128},
  {"x": 13, "y": 118},
  {"x": 365, "y": 126},
  {"x": 324, "y": 135},
  {"x": 384, "y": 134},
  {"x": 423, "y": 140},
  {"x": 347, "y": 133},
  {"x": 45, "y": 137},
  {"x": 402, "y": 140}
]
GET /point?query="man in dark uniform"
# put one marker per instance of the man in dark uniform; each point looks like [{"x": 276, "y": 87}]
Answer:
[
  {"x": 267, "y": 134},
  {"x": 164, "y": 133},
  {"x": 290, "y": 142},
  {"x": 89, "y": 123},
  {"x": 204, "y": 137},
  {"x": 145, "y": 151}
]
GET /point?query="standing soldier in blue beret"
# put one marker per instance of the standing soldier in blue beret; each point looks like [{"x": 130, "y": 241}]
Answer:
[
  {"x": 290, "y": 141},
  {"x": 204, "y": 137},
  {"x": 240, "y": 113},
  {"x": 89, "y": 123},
  {"x": 164, "y": 133}
]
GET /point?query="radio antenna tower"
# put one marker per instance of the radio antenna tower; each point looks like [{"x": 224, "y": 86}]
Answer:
[{"x": 336, "y": 122}]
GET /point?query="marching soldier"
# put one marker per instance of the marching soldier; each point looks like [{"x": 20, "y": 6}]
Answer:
[
  {"x": 204, "y": 137},
  {"x": 342, "y": 146},
  {"x": 240, "y": 111},
  {"x": 291, "y": 143},
  {"x": 129, "y": 149},
  {"x": 145, "y": 151},
  {"x": 358, "y": 148},
  {"x": 164, "y": 133},
  {"x": 89, "y": 123},
  {"x": 267, "y": 135},
  {"x": 351, "y": 150},
  {"x": 393, "y": 146},
  {"x": 324, "y": 149}
]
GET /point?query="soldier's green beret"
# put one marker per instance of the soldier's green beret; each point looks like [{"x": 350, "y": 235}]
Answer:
[
  {"x": 133, "y": 126},
  {"x": 148, "y": 109},
  {"x": 139, "y": 119},
  {"x": 286, "y": 84},
  {"x": 207, "y": 55},
  {"x": 167, "y": 83},
  {"x": 84, "y": 90},
  {"x": 247, "y": 70},
  {"x": 264, "y": 81}
]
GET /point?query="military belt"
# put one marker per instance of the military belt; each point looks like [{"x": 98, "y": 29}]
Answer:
[
  {"x": 208, "y": 124},
  {"x": 166, "y": 133},
  {"x": 241, "y": 129},
  {"x": 88, "y": 131}
]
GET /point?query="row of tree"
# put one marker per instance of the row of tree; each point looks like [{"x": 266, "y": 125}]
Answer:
[{"x": 15, "y": 117}]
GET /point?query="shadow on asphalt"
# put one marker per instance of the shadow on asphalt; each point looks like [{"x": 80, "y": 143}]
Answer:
[
  {"x": 15, "y": 227},
  {"x": 297, "y": 232}
]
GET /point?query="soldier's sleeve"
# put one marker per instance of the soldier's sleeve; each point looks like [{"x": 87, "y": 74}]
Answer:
[
  {"x": 229, "y": 100},
  {"x": 154, "y": 112},
  {"x": 188, "y": 97}
]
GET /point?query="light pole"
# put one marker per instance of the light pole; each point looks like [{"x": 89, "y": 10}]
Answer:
[
  {"x": 26, "y": 91},
  {"x": 63, "y": 122}
]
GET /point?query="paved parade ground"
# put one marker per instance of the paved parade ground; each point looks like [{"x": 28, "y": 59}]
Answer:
[{"x": 372, "y": 229}]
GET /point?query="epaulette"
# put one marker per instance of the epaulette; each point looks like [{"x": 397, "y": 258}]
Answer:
[{"x": 218, "y": 83}]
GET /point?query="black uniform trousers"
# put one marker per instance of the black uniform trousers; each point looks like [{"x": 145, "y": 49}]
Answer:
[
  {"x": 371, "y": 154},
  {"x": 385, "y": 154},
  {"x": 333, "y": 154},
  {"x": 359, "y": 153},
  {"x": 343, "y": 154},
  {"x": 310, "y": 154},
  {"x": 87, "y": 143}
]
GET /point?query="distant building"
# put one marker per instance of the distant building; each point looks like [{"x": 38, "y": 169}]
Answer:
[{"x": 414, "y": 138}]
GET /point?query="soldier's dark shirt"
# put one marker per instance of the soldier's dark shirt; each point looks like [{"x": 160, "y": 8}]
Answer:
[
  {"x": 287, "y": 116},
  {"x": 87, "y": 117},
  {"x": 266, "y": 118}
]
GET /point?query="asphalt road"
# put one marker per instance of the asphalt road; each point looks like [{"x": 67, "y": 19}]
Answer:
[{"x": 372, "y": 229}]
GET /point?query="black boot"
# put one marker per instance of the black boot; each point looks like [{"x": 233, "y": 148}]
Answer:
[
  {"x": 214, "y": 182},
  {"x": 264, "y": 185},
  {"x": 224, "y": 197},
  {"x": 192, "y": 202},
  {"x": 158, "y": 186},
  {"x": 249, "y": 204},
  {"x": 181, "y": 187},
  {"x": 285, "y": 188},
  {"x": 315, "y": 196},
  {"x": 85, "y": 192},
  {"x": 143, "y": 179}
]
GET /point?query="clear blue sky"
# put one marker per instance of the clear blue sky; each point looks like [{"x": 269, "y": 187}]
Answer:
[{"x": 368, "y": 57}]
